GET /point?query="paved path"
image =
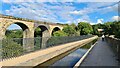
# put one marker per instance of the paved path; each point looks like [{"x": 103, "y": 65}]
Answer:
[{"x": 101, "y": 55}]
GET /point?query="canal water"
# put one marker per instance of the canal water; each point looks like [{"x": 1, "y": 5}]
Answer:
[{"x": 69, "y": 58}]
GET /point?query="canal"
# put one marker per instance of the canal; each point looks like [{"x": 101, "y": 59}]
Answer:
[{"x": 70, "y": 58}]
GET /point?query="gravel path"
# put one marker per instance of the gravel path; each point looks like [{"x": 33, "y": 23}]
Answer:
[{"x": 101, "y": 55}]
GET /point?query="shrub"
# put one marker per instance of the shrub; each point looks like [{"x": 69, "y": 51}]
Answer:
[{"x": 11, "y": 48}]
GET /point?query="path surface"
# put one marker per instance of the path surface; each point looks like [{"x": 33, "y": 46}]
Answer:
[{"x": 101, "y": 55}]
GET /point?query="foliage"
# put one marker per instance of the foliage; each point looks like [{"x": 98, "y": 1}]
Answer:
[
  {"x": 95, "y": 30},
  {"x": 38, "y": 32},
  {"x": 116, "y": 29},
  {"x": 108, "y": 28},
  {"x": 59, "y": 33},
  {"x": 14, "y": 34},
  {"x": 37, "y": 42},
  {"x": 69, "y": 30},
  {"x": 85, "y": 28},
  {"x": 11, "y": 48},
  {"x": 73, "y": 25}
]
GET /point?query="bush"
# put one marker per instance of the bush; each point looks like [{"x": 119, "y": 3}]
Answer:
[
  {"x": 85, "y": 28},
  {"x": 11, "y": 49},
  {"x": 59, "y": 33},
  {"x": 69, "y": 30}
]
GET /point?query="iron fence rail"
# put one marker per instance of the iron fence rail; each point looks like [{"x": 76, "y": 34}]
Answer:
[{"x": 14, "y": 47}]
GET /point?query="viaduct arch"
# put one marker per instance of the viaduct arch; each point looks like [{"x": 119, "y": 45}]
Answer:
[{"x": 28, "y": 28}]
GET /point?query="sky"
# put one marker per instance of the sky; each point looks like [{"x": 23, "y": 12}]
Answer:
[{"x": 65, "y": 12}]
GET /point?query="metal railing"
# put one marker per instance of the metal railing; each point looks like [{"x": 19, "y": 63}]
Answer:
[
  {"x": 63, "y": 40},
  {"x": 17, "y": 46},
  {"x": 115, "y": 45}
]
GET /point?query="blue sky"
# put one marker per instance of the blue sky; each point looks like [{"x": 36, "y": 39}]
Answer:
[{"x": 62, "y": 12}]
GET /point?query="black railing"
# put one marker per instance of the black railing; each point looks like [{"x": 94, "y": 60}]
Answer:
[
  {"x": 115, "y": 45},
  {"x": 53, "y": 41},
  {"x": 16, "y": 47}
]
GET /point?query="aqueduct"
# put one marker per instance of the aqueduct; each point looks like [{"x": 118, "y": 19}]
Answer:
[{"x": 28, "y": 27}]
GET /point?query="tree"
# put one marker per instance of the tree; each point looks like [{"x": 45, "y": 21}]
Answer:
[
  {"x": 73, "y": 25},
  {"x": 108, "y": 28},
  {"x": 77, "y": 33},
  {"x": 69, "y": 30},
  {"x": 59, "y": 33},
  {"x": 14, "y": 33},
  {"x": 116, "y": 29},
  {"x": 95, "y": 30},
  {"x": 37, "y": 32},
  {"x": 85, "y": 28},
  {"x": 11, "y": 48}
]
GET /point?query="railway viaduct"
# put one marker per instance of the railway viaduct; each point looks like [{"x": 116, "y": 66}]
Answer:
[{"x": 28, "y": 27}]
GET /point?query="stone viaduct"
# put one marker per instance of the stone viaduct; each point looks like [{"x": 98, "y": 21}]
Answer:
[{"x": 28, "y": 27}]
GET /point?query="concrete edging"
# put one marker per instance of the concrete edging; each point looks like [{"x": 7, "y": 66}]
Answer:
[{"x": 84, "y": 56}]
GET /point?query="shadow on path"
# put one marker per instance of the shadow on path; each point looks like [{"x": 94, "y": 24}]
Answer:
[{"x": 101, "y": 55}]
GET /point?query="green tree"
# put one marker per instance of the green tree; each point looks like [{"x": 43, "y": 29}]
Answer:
[
  {"x": 38, "y": 32},
  {"x": 69, "y": 30},
  {"x": 95, "y": 30},
  {"x": 96, "y": 27},
  {"x": 85, "y": 28},
  {"x": 73, "y": 25},
  {"x": 108, "y": 28},
  {"x": 116, "y": 29},
  {"x": 14, "y": 33},
  {"x": 77, "y": 33},
  {"x": 59, "y": 33},
  {"x": 11, "y": 48}
]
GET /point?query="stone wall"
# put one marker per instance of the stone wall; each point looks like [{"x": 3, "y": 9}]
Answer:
[{"x": 115, "y": 45}]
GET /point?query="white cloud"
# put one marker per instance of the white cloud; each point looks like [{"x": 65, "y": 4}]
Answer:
[
  {"x": 42, "y": 11},
  {"x": 95, "y": 7},
  {"x": 116, "y": 18},
  {"x": 100, "y": 21},
  {"x": 84, "y": 18},
  {"x": 56, "y": 12},
  {"x": 92, "y": 23},
  {"x": 81, "y": 20},
  {"x": 76, "y": 12}
]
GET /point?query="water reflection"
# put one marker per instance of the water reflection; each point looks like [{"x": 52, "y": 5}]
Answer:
[{"x": 70, "y": 59}]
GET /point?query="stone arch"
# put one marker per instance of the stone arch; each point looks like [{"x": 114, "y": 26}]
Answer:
[
  {"x": 44, "y": 30},
  {"x": 27, "y": 42},
  {"x": 41, "y": 40},
  {"x": 54, "y": 30},
  {"x": 24, "y": 27}
]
